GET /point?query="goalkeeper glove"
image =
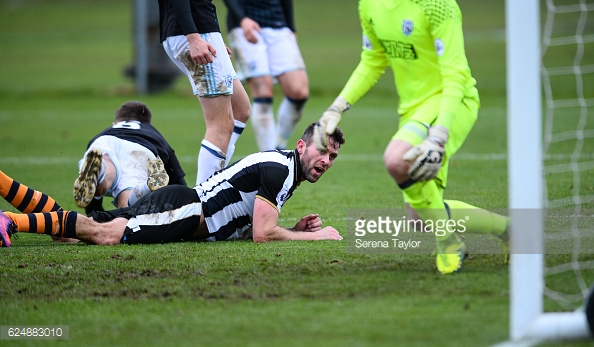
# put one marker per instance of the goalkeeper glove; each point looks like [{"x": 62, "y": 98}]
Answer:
[
  {"x": 328, "y": 122},
  {"x": 428, "y": 156}
]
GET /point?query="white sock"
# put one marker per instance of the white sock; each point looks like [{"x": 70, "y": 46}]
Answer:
[
  {"x": 210, "y": 160},
  {"x": 263, "y": 123},
  {"x": 138, "y": 192},
  {"x": 237, "y": 130},
  {"x": 289, "y": 114}
]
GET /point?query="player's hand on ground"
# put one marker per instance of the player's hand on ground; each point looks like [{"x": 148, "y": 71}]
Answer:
[
  {"x": 250, "y": 27},
  {"x": 201, "y": 51},
  {"x": 328, "y": 122},
  {"x": 309, "y": 223},
  {"x": 327, "y": 233},
  {"x": 427, "y": 157}
]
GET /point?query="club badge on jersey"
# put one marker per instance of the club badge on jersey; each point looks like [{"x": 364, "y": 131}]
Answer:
[
  {"x": 407, "y": 27},
  {"x": 439, "y": 47}
]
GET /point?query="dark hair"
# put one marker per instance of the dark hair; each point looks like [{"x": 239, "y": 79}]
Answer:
[
  {"x": 133, "y": 110},
  {"x": 337, "y": 136}
]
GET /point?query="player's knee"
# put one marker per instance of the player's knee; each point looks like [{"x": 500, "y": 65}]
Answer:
[
  {"x": 241, "y": 105},
  {"x": 261, "y": 86},
  {"x": 109, "y": 241},
  {"x": 242, "y": 113},
  {"x": 397, "y": 167},
  {"x": 298, "y": 93},
  {"x": 245, "y": 113},
  {"x": 228, "y": 121},
  {"x": 111, "y": 233},
  {"x": 221, "y": 125}
]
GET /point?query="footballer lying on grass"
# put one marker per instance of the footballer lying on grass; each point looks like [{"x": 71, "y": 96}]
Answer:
[{"x": 246, "y": 195}]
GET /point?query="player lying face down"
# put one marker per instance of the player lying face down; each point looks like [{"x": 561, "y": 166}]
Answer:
[{"x": 247, "y": 195}]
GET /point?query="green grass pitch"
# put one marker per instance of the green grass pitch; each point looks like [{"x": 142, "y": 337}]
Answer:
[{"x": 61, "y": 80}]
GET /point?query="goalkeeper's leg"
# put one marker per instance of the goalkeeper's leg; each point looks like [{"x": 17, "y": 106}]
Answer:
[
  {"x": 481, "y": 221},
  {"x": 477, "y": 220},
  {"x": 426, "y": 197}
]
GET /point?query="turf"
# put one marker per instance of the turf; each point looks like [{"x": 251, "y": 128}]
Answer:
[{"x": 61, "y": 64}]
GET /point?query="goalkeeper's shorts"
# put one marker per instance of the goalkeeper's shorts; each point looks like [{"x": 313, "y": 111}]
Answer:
[{"x": 414, "y": 125}]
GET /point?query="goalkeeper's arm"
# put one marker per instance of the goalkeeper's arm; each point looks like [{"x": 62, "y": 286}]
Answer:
[{"x": 329, "y": 121}]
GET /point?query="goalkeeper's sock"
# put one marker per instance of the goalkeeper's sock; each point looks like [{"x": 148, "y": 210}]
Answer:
[
  {"x": 210, "y": 160},
  {"x": 477, "y": 220},
  {"x": 25, "y": 199},
  {"x": 56, "y": 223},
  {"x": 289, "y": 114},
  {"x": 238, "y": 128},
  {"x": 425, "y": 198},
  {"x": 262, "y": 119}
]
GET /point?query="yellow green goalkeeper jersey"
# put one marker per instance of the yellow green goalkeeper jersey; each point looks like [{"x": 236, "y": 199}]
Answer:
[{"x": 423, "y": 43}]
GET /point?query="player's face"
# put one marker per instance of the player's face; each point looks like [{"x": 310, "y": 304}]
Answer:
[{"x": 313, "y": 162}]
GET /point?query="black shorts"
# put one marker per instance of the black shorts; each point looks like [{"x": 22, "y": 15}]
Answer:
[{"x": 169, "y": 214}]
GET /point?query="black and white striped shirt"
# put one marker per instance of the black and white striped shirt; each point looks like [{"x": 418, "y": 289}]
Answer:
[{"x": 228, "y": 196}]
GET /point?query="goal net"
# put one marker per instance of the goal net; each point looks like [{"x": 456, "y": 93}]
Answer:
[{"x": 550, "y": 93}]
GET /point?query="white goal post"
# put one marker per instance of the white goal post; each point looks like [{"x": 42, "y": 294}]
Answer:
[{"x": 528, "y": 321}]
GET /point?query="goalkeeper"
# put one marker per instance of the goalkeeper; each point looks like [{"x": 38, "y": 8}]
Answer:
[{"x": 422, "y": 41}]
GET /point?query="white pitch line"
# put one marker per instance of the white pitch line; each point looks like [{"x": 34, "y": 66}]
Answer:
[{"x": 343, "y": 157}]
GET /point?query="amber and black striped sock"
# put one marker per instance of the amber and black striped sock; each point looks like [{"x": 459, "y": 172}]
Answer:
[
  {"x": 25, "y": 199},
  {"x": 56, "y": 223}
]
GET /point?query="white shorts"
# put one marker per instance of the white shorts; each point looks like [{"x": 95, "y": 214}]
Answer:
[
  {"x": 129, "y": 158},
  {"x": 211, "y": 79},
  {"x": 275, "y": 53}
]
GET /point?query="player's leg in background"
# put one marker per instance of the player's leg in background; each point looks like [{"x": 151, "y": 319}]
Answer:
[
  {"x": 214, "y": 96},
  {"x": 240, "y": 103},
  {"x": 295, "y": 86},
  {"x": 252, "y": 66},
  {"x": 262, "y": 112},
  {"x": 287, "y": 64},
  {"x": 218, "y": 117}
]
